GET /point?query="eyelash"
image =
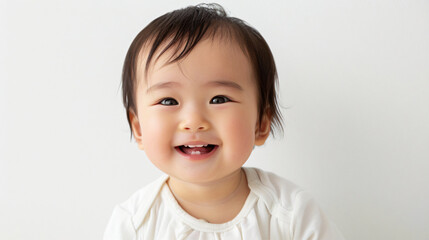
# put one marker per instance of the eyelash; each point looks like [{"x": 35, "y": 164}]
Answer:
[
  {"x": 172, "y": 101},
  {"x": 164, "y": 100},
  {"x": 225, "y": 99}
]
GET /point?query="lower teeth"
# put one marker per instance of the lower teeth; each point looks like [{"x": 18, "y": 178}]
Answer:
[{"x": 195, "y": 153}]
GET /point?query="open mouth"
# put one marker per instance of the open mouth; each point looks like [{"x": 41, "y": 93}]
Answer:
[{"x": 196, "y": 149}]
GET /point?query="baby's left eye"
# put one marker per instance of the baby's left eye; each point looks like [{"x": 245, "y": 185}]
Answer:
[{"x": 219, "y": 100}]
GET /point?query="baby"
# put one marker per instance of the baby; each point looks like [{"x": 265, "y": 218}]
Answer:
[{"x": 199, "y": 90}]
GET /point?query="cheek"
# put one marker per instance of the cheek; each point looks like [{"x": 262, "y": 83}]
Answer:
[
  {"x": 156, "y": 137},
  {"x": 240, "y": 135}
]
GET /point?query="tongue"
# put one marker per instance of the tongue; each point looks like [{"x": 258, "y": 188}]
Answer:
[{"x": 195, "y": 150}]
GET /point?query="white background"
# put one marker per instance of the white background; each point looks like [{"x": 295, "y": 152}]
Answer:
[{"x": 354, "y": 78}]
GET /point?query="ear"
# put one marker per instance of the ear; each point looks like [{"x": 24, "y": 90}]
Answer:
[
  {"x": 262, "y": 130},
  {"x": 135, "y": 126}
]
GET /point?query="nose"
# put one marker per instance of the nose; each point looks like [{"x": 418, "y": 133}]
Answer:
[{"x": 194, "y": 122}]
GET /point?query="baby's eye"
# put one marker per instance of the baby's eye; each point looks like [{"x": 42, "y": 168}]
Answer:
[
  {"x": 168, "y": 102},
  {"x": 219, "y": 100}
]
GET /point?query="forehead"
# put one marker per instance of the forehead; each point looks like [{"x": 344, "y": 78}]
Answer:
[{"x": 223, "y": 54}]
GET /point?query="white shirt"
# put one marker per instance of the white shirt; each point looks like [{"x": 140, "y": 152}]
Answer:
[{"x": 274, "y": 209}]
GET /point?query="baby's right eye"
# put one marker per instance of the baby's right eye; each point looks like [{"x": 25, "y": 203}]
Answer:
[{"x": 168, "y": 102}]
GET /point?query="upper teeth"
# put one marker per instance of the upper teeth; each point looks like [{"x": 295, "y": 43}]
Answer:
[{"x": 192, "y": 146}]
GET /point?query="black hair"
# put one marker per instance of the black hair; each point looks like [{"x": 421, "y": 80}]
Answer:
[{"x": 181, "y": 30}]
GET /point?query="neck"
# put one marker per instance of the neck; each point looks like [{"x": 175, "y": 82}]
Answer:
[
  {"x": 221, "y": 196},
  {"x": 210, "y": 193},
  {"x": 209, "y": 200}
]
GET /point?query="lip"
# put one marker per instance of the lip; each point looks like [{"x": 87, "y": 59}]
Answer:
[
  {"x": 196, "y": 143},
  {"x": 197, "y": 157}
]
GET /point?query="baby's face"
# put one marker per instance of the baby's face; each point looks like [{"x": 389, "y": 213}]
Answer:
[{"x": 197, "y": 119}]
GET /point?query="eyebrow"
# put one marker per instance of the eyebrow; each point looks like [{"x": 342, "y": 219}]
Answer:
[
  {"x": 162, "y": 85},
  {"x": 224, "y": 83},
  {"x": 218, "y": 83}
]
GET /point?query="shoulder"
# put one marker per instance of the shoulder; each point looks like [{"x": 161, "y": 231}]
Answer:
[
  {"x": 292, "y": 205},
  {"x": 138, "y": 204},
  {"x": 273, "y": 189},
  {"x": 127, "y": 216}
]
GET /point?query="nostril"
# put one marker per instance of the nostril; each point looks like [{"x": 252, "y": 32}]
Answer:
[{"x": 193, "y": 127}]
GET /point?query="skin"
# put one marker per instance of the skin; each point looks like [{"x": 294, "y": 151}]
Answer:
[{"x": 208, "y": 97}]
